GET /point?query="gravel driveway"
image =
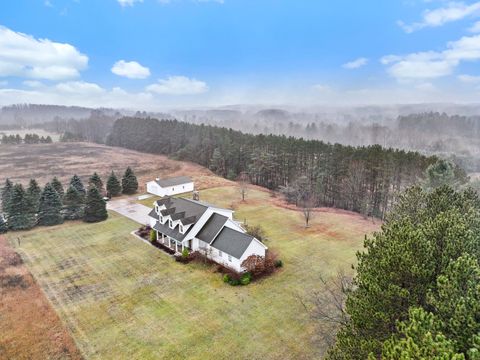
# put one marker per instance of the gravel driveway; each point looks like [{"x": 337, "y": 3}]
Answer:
[{"x": 129, "y": 208}]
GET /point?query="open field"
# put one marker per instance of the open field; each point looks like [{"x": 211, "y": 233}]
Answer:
[
  {"x": 29, "y": 326},
  {"x": 123, "y": 299},
  {"x": 43, "y": 161}
]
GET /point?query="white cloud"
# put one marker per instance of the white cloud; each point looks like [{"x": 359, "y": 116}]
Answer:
[
  {"x": 24, "y": 56},
  {"x": 475, "y": 28},
  {"x": 77, "y": 93},
  {"x": 131, "y": 70},
  {"x": 32, "y": 83},
  {"x": 355, "y": 64},
  {"x": 452, "y": 12},
  {"x": 432, "y": 64},
  {"x": 125, "y": 3},
  {"x": 469, "y": 79},
  {"x": 48, "y": 3},
  {"x": 3, "y": 83},
  {"x": 178, "y": 85}
]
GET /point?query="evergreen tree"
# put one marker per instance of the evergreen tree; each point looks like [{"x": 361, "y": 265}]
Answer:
[
  {"x": 77, "y": 184},
  {"x": 50, "y": 209},
  {"x": 96, "y": 181},
  {"x": 442, "y": 173},
  {"x": 114, "y": 188},
  {"x": 20, "y": 216},
  {"x": 33, "y": 196},
  {"x": 95, "y": 206},
  {"x": 417, "y": 261},
  {"x": 420, "y": 337},
  {"x": 129, "y": 182},
  {"x": 6, "y": 195},
  {"x": 73, "y": 204},
  {"x": 3, "y": 225},
  {"x": 57, "y": 185}
]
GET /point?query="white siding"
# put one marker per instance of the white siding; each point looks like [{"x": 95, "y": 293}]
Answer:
[{"x": 154, "y": 188}]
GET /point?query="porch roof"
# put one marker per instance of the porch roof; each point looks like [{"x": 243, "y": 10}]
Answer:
[{"x": 165, "y": 229}]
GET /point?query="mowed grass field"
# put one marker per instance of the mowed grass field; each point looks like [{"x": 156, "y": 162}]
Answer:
[{"x": 123, "y": 299}]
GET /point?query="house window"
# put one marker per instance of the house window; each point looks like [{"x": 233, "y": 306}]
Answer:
[
  {"x": 220, "y": 253},
  {"x": 170, "y": 223},
  {"x": 229, "y": 258},
  {"x": 181, "y": 228}
]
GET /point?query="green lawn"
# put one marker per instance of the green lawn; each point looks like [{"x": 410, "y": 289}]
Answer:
[{"x": 123, "y": 299}]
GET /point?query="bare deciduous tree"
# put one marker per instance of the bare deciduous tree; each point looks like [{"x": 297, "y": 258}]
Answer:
[
  {"x": 326, "y": 306},
  {"x": 243, "y": 181}
]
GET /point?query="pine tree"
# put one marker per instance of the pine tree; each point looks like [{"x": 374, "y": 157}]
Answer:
[
  {"x": 96, "y": 181},
  {"x": 6, "y": 195},
  {"x": 95, "y": 206},
  {"x": 417, "y": 261},
  {"x": 33, "y": 196},
  {"x": 73, "y": 204},
  {"x": 50, "y": 208},
  {"x": 20, "y": 217},
  {"x": 57, "y": 185},
  {"x": 77, "y": 184},
  {"x": 129, "y": 182},
  {"x": 114, "y": 188},
  {"x": 3, "y": 225}
]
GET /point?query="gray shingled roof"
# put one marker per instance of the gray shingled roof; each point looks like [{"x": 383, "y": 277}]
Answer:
[
  {"x": 179, "y": 180},
  {"x": 211, "y": 228},
  {"x": 173, "y": 233},
  {"x": 153, "y": 214},
  {"x": 232, "y": 242}
]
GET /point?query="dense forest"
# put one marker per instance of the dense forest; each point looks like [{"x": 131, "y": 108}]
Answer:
[{"x": 362, "y": 179}]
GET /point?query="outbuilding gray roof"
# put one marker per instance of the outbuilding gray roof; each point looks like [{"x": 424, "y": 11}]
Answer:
[
  {"x": 212, "y": 227},
  {"x": 179, "y": 180},
  {"x": 232, "y": 242}
]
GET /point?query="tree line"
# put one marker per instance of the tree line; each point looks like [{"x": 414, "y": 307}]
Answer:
[
  {"x": 25, "y": 208},
  {"x": 27, "y": 139},
  {"x": 363, "y": 179}
]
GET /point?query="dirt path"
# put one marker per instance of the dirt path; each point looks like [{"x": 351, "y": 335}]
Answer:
[{"x": 29, "y": 327}]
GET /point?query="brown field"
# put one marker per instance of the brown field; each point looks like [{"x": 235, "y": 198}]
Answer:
[
  {"x": 20, "y": 163},
  {"x": 29, "y": 326}
]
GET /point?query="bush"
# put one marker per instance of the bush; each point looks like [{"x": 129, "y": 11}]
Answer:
[
  {"x": 234, "y": 282},
  {"x": 226, "y": 278},
  {"x": 185, "y": 253},
  {"x": 256, "y": 231},
  {"x": 153, "y": 235},
  {"x": 246, "y": 278},
  {"x": 278, "y": 263}
]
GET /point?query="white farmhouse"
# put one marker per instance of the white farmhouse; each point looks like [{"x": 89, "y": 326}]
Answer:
[
  {"x": 198, "y": 226},
  {"x": 170, "y": 186}
]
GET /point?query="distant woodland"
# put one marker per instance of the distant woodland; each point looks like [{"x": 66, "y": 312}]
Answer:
[{"x": 362, "y": 179}]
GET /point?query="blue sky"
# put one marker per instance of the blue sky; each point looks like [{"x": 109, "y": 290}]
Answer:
[{"x": 160, "y": 53}]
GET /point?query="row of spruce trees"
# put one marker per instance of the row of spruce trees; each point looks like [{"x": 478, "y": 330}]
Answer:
[{"x": 25, "y": 208}]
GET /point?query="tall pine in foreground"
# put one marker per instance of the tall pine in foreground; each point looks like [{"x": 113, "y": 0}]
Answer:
[
  {"x": 95, "y": 206},
  {"x": 19, "y": 216},
  {"x": 96, "y": 180},
  {"x": 57, "y": 185},
  {"x": 426, "y": 257},
  {"x": 50, "y": 208},
  {"x": 73, "y": 204},
  {"x": 6, "y": 195},
  {"x": 114, "y": 188},
  {"x": 129, "y": 182}
]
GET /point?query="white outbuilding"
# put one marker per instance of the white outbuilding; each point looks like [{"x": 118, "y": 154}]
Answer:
[{"x": 170, "y": 186}]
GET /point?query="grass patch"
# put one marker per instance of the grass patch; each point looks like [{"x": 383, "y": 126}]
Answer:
[{"x": 123, "y": 299}]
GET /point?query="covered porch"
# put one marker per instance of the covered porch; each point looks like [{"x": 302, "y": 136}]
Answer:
[{"x": 173, "y": 244}]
